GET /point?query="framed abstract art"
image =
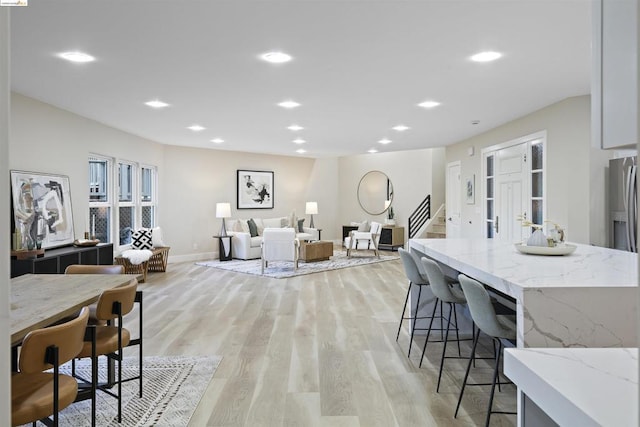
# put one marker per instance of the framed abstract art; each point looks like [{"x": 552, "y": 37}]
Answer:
[{"x": 255, "y": 189}]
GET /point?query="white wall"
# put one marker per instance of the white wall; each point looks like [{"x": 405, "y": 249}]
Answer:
[
  {"x": 575, "y": 170},
  {"x": 414, "y": 174},
  {"x": 196, "y": 179},
  {"x": 5, "y": 383},
  {"x": 45, "y": 138}
]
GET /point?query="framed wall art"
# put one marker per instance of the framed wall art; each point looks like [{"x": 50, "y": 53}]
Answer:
[
  {"x": 41, "y": 209},
  {"x": 471, "y": 190},
  {"x": 255, "y": 189}
]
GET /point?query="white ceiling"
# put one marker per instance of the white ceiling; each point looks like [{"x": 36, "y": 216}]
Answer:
[{"x": 360, "y": 67}]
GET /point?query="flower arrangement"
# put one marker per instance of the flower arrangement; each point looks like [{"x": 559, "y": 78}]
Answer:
[{"x": 538, "y": 238}]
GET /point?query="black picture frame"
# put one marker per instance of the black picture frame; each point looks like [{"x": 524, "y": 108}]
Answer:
[{"x": 254, "y": 189}]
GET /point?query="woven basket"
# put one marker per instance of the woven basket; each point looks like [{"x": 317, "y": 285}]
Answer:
[
  {"x": 158, "y": 261},
  {"x": 133, "y": 268}
]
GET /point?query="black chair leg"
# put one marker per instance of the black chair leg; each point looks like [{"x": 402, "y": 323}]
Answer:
[
  {"x": 455, "y": 317},
  {"x": 466, "y": 374},
  {"x": 493, "y": 384},
  {"x": 424, "y": 347},
  {"x": 404, "y": 309},
  {"x": 444, "y": 348},
  {"x": 413, "y": 327}
]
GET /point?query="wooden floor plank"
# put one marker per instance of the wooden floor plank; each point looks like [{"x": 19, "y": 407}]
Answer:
[{"x": 316, "y": 350}]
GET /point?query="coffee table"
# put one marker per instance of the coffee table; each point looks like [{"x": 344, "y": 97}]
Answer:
[{"x": 315, "y": 251}]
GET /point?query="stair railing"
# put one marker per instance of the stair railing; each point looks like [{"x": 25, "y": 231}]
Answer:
[{"x": 421, "y": 215}]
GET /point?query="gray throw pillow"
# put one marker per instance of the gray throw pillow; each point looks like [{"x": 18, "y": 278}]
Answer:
[
  {"x": 300, "y": 229},
  {"x": 253, "y": 228}
]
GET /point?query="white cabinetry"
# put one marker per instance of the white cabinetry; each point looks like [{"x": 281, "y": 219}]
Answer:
[{"x": 614, "y": 92}]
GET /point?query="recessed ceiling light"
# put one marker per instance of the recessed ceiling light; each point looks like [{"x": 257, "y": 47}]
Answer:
[
  {"x": 295, "y": 128},
  {"x": 76, "y": 56},
  {"x": 486, "y": 56},
  {"x": 289, "y": 104},
  {"x": 276, "y": 57},
  {"x": 217, "y": 140},
  {"x": 156, "y": 103},
  {"x": 401, "y": 128},
  {"x": 196, "y": 128},
  {"x": 299, "y": 141},
  {"x": 301, "y": 151},
  {"x": 373, "y": 150},
  {"x": 384, "y": 141},
  {"x": 429, "y": 104}
]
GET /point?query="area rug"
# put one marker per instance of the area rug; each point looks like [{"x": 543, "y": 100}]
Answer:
[
  {"x": 172, "y": 388},
  {"x": 281, "y": 270}
]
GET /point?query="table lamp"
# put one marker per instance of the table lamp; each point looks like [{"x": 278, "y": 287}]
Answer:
[
  {"x": 311, "y": 209},
  {"x": 223, "y": 210}
]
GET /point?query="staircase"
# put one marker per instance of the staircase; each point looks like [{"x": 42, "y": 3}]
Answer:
[{"x": 437, "y": 226}]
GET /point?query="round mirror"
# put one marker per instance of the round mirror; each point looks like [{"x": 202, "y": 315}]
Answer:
[{"x": 374, "y": 190}]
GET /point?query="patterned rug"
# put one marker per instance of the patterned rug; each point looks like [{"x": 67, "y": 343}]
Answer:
[
  {"x": 172, "y": 388},
  {"x": 281, "y": 270}
]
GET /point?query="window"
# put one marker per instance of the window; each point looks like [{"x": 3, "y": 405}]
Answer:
[
  {"x": 122, "y": 198},
  {"x": 100, "y": 203},
  {"x": 147, "y": 196},
  {"x": 126, "y": 204},
  {"x": 489, "y": 199}
]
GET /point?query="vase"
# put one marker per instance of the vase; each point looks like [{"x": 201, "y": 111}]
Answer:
[{"x": 537, "y": 239}]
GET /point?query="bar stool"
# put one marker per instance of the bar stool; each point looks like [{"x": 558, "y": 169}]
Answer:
[
  {"x": 445, "y": 293},
  {"x": 415, "y": 279},
  {"x": 497, "y": 327}
]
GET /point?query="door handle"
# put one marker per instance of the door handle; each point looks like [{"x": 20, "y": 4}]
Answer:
[
  {"x": 497, "y": 224},
  {"x": 449, "y": 219}
]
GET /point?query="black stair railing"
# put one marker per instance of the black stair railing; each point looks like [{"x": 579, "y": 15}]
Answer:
[{"x": 420, "y": 216}]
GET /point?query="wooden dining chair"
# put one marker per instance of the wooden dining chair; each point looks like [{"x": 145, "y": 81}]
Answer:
[
  {"x": 109, "y": 339},
  {"x": 94, "y": 269},
  {"x": 35, "y": 394}
]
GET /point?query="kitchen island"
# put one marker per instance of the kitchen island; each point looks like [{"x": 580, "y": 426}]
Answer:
[{"x": 586, "y": 299}]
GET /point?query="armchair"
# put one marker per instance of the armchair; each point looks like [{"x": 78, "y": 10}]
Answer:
[
  {"x": 364, "y": 240},
  {"x": 279, "y": 244}
]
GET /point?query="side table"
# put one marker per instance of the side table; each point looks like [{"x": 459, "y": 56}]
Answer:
[{"x": 224, "y": 247}]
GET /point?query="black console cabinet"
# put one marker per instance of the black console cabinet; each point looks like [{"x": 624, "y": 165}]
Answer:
[{"x": 55, "y": 261}]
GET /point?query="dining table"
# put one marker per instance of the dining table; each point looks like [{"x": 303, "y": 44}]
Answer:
[{"x": 40, "y": 300}]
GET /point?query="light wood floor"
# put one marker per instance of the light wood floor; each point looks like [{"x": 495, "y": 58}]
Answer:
[{"x": 315, "y": 350}]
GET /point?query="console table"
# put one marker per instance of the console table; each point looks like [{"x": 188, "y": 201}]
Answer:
[
  {"x": 55, "y": 261},
  {"x": 391, "y": 237}
]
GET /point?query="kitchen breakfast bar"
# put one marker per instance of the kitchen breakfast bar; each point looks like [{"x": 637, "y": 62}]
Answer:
[{"x": 585, "y": 300}]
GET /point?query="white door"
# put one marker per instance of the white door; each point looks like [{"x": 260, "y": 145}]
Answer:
[
  {"x": 454, "y": 196},
  {"x": 512, "y": 193}
]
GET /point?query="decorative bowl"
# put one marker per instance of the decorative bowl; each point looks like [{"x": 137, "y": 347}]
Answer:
[{"x": 563, "y": 249}]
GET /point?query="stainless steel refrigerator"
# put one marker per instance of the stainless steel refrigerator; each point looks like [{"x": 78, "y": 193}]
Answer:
[{"x": 623, "y": 211}]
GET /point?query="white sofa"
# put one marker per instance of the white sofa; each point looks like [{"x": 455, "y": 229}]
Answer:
[{"x": 243, "y": 246}]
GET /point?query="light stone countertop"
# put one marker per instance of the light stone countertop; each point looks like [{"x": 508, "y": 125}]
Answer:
[
  {"x": 500, "y": 265},
  {"x": 579, "y": 386},
  {"x": 585, "y": 299}
]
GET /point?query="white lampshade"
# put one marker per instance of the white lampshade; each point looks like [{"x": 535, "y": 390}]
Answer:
[
  {"x": 312, "y": 208},
  {"x": 223, "y": 210}
]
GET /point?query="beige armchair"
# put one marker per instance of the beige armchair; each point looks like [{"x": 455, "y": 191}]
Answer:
[
  {"x": 364, "y": 240},
  {"x": 279, "y": 244}
]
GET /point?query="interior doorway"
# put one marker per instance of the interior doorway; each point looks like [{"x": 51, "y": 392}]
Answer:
[
  {"x": 514, "y": 181},
  {"x": 453, "y": 200}
]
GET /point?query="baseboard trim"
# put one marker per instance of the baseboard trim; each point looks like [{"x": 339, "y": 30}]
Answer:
[{"x": 204, "y": 256}]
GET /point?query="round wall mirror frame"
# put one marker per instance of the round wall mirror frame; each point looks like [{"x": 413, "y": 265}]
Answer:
[{"x": 374, "y": 189}]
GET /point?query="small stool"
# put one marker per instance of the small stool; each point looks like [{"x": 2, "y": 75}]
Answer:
[
  {"x": 497, "y": 327},
  {"x": 415, "y": 279},
  {"x": 449, "y": 295}
]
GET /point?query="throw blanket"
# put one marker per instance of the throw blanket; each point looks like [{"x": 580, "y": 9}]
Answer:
[{"x": 137, "y": 256}]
